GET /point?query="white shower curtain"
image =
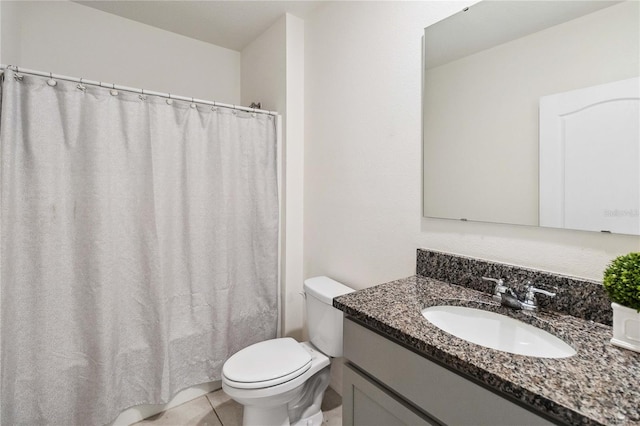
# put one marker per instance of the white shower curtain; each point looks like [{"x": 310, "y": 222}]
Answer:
[{"x": 138, "y": 247}]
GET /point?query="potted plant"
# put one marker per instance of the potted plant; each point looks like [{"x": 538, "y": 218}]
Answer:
[{"x": 622, "y": 284}]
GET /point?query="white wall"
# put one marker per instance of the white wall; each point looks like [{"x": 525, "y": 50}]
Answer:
[
  {"x": 263, "y": 68},
  {"x": 273, "y": 74},
  {"x": 363, "y": 158},
  {"x": 71, "y": 39}
]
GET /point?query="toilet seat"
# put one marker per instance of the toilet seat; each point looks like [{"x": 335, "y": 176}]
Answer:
[{"x": 266, "y": 364}]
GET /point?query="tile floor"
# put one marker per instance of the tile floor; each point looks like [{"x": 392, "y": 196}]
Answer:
[{"x": 217, "y": 409}]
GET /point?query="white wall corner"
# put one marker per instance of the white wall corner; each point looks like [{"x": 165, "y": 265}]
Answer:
[
  {"x": 294, "y": 160},
  {"x": 272, "y": 72}
]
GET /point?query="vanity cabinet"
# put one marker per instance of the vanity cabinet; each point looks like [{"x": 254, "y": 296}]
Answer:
[{"x": 386, "y": 384}]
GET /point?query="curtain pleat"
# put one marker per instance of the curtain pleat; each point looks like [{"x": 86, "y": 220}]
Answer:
[{"x": 138, "y": 247}]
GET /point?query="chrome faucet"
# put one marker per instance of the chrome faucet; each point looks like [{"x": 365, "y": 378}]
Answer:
[
  {"x": 510, "y": 300},
  {"x": 507, "y": 297}
]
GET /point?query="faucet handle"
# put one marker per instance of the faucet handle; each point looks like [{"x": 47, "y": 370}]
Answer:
[
  {"x": 498, "y": 281},
  {"x": 532, "y": 289},
  {"x": 530, "y": 298},
  {"x": 499, "y": 289}
]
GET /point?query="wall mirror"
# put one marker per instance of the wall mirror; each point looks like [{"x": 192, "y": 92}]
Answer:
[{"x": 531, "y": 115}]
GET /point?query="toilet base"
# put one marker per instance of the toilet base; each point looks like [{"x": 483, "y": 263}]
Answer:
[
  {"x": 259, "y": 416},
  {"x": 303, "y": 403},
  {"x": 254, "y": 416}
]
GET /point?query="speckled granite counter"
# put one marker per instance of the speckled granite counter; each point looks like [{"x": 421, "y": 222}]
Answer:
[{"x": 599, "y": 385}]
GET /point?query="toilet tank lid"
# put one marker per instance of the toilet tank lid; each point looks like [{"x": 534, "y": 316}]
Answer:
[{"x": 325, "y": 289}]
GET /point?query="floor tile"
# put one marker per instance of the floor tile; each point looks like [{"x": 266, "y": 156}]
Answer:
[
  {"x": 193, "y": 413},
  {"x": 333, "y": 417},
  {"x": 331, "y": 400},
  {"x": 229, "y": 411},
  {"x": 332, "y": 408}
]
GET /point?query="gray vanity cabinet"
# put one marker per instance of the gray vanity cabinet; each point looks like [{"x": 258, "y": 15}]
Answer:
[
  {"x": 387, "y": 384},
  {"x": 365, "y": 403}
]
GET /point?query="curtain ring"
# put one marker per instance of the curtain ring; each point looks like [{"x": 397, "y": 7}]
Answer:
[
  {"x": 169, "y": 101},
  {"x": 193, "y": 104},
  {"x": 51, "y": 82},
  {"x": 16, "y": 75}
]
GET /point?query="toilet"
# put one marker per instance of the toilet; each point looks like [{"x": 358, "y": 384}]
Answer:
[{"x": 281, "y": 382}]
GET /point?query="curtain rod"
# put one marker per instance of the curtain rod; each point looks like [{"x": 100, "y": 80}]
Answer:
[{"x": 133, "y": 90}]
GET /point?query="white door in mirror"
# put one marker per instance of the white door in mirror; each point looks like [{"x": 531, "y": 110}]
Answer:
[{"x": 589, "y": 138}]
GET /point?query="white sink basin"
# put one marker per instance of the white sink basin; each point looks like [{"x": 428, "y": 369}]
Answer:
[{"x": 497, "y": 331}]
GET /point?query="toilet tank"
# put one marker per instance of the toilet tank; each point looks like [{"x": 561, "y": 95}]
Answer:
[{"x": 323, "y": 320}]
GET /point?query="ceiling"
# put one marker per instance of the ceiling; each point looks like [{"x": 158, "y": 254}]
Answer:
[{"x": 231, "y": 24}]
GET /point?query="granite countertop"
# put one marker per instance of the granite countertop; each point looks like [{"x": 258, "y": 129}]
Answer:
[{"x": 598, "y": 385}]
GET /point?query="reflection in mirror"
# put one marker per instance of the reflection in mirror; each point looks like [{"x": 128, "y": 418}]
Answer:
[{"x": 505, "y": 80}]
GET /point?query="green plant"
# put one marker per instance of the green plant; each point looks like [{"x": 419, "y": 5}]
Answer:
[{"x": 622, "y": 280}]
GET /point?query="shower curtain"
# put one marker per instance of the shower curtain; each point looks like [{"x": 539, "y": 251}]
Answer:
[{"x": 138, "y": 247}]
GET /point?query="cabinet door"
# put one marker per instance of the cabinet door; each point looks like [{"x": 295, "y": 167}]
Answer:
[{"x": 364, "y": 403}]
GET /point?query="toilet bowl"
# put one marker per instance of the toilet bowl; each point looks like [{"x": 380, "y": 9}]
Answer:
[
  {"x": 267, "y": 400},
  {"x": 281, "y": 382}
]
